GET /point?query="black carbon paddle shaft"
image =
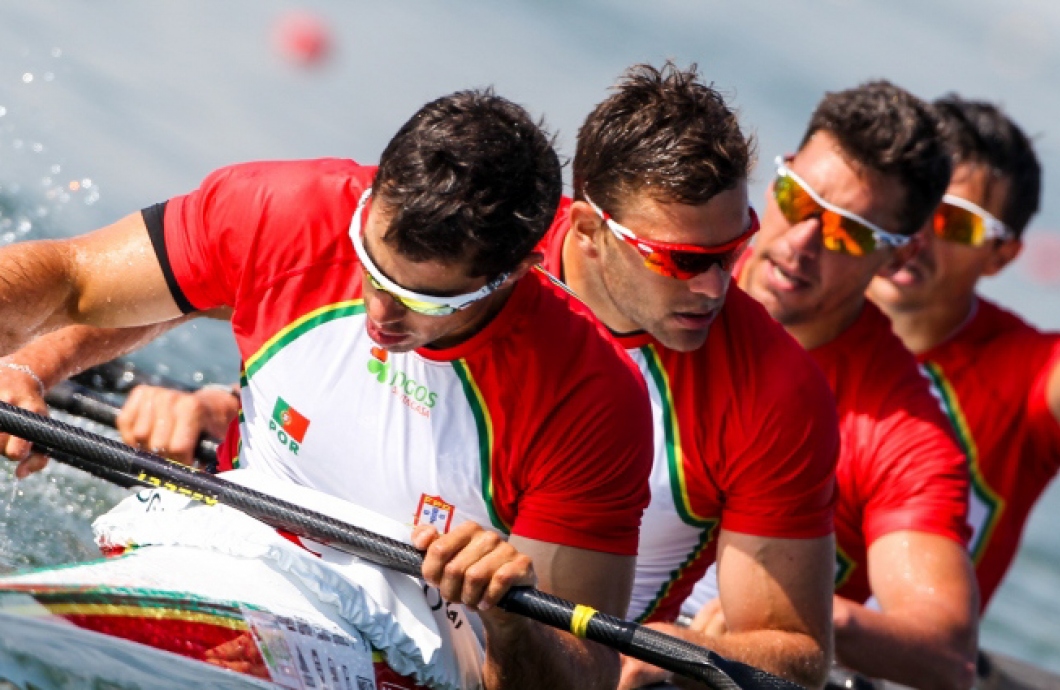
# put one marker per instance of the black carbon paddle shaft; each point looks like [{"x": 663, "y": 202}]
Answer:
[
  {"x": 58, "y": 436},
  {"x": 646, "y": 644}
]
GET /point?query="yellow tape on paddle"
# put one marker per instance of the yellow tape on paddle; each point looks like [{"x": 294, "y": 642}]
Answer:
[{"x": 579, "y": 621}]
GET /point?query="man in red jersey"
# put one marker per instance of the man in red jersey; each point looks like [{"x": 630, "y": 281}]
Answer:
[
  {"x": 659, "y": 214},
  {"x": 847, "y": 206},
  {"x": 381, "y": 316},
  {"x": 999, "y": 377}
]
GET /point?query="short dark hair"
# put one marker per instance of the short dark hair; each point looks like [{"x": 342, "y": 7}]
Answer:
[
  {"x": 887, "y": 129},
  {"x": 471, "y": 179},
  {"x": 979, "y": 132},
  {"x": 662, "y": 132}
]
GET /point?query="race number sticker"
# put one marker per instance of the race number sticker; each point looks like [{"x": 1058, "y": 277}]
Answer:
[
  {"x": 301, "y": 656},
  {"x": 433, "y": 511}
]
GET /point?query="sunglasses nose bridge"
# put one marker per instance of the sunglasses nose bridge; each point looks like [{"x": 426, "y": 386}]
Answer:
[
  {"x": 711, "y": 283},
  {"x": 807, "y": 235},
  {"x": 384, "y": 308}
]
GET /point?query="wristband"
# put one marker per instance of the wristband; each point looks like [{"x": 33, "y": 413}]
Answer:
[{"x": 28, "y": 372}]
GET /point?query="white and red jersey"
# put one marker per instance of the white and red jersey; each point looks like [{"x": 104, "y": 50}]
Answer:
[
  {"x": 745, "y": 440},
  {"x": 993, "y": 376},
  {"x": 538, "y": 425}
]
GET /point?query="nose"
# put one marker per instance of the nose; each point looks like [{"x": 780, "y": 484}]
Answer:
[
  {"x": 712, "y": 283},
  {"x": 804, "y": 238}
]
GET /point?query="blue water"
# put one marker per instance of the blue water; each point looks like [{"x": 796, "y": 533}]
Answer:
[{"x": 106, "y": 108}]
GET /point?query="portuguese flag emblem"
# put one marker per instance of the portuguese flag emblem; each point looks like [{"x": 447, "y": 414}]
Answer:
[{"x": 290, "y": 420}]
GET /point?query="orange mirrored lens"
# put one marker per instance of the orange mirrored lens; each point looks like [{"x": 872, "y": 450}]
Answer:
[
  {"x": 840, "y": 234},
  {"x": 794, "y": 202},
  {"x": 844, "y": 235},
  {"x": 956, "y": 224}
]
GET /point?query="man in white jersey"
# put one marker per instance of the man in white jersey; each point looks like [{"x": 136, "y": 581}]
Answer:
[{"x": 384, "y": 317}]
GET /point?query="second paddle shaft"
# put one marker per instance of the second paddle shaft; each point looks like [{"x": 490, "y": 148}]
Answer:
[{"x": 80, "y": 401}]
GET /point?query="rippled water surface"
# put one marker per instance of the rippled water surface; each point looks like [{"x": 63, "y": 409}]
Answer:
[{"x": 107, "y": 108}]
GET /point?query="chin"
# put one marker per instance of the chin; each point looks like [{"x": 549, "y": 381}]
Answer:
[{"x": 681, "y": 340}]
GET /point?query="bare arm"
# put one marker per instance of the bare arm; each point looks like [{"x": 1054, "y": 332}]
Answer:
[
  {"x": 58, "y": 355},
  {"x": 110, "y": 277},
  {"x": 1053, "y": 392},
  {"x": 475, "y": 567},
  {"x": 774, "y": 609},
  {"x": 925, "y": 634},
  {"x": 524, "y": 654}
]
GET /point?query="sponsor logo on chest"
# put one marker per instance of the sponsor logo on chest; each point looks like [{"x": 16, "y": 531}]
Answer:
[
  {"x": 289, "y": 425},
  {"x": 414, "y": 395},
  {"x": 433, "y": 511}
]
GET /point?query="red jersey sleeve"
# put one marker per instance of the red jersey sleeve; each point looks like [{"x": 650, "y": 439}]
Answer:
[
  {"x": 246, "y": 225},
  {"x": 783, "y": 483},
  {"x": 576, "y": 449},
  {"x": 591, "y": 481},
  {"x": 911, "y": 472}
]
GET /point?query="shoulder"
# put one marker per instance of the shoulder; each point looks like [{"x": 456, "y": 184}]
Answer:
[
  {"x": 762, "y": 355},
  {"x": 276, "y": 185},
  {"x": 564, "y": 331},
  {"x": 552, "y": 243},
  {"x": 996, "y": 341}
]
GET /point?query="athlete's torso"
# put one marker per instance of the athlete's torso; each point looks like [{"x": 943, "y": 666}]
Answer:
[
  {"x": 731, "y": 451},
  {"x": 993, "y": 375},
  {"x": 501, "y": 429}
]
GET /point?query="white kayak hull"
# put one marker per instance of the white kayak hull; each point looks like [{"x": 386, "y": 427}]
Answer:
[{"x": 65, "y": 628}]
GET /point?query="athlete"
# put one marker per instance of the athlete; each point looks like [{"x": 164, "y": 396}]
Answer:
[
  {"x": 659, "y": 213},
  {"x": 399, "y": 352},
  {"x": 999, "y": 376},
  {"x": 845, "y": 207}
]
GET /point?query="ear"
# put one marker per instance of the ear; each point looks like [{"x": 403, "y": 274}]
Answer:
[
  {"x": 1002, "y": 255},
  {"x": 532, "y": 259},
  {"x": 901, "y": 255},
  {"x": 585, "y": 226}
]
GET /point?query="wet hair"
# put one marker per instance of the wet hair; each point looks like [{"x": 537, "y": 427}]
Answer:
[
  {"x": 471, "y": 179},
  {"x": 887, "y": 129},
  {"x": 979, "y": 132},
  {"x": 664, "y": 133}
]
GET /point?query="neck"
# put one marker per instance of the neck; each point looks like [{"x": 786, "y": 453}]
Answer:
[
  {"x": 932, "y": 324},
  {"x": 582, "y": 276}
]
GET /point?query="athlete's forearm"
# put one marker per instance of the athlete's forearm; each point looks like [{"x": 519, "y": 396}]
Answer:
[
  {"x": 792, "y": 655},
  {"x": 523, "y": 654},
  {"x": 920, "y": 648},
  {"x": 68, "y": 351},
  {"x": 36, "y": 292}
]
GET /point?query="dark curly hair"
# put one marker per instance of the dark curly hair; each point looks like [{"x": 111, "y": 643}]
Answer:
[
  {"x": 664, "y": 133},
  {"x": 471, "y": 179},
  {"x": 979, "y": 132},
  {"x": 887, "y": 129}
]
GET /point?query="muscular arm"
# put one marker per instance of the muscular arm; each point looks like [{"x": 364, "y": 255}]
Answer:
[
  {"x": 1053, "y": 391},
  {"x": 110, "y": 277},
  {"x": 776, "y": 603},
  {"x": 925, "y": 634},
  {"x": 525, "y": 654}
]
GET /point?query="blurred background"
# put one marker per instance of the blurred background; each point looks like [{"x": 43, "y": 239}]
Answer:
[{"x": 109, "y": 107}]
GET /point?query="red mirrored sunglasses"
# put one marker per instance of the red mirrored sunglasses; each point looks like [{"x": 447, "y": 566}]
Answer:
[{"x": 681, "y": 261}]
